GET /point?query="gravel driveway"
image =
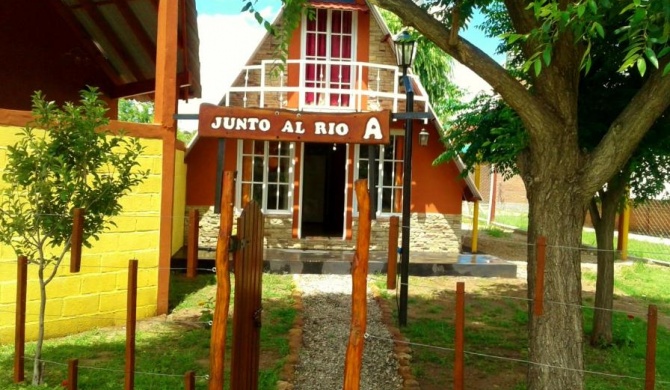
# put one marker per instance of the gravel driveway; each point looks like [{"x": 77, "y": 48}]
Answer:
[{"x": 326, "y": 303}]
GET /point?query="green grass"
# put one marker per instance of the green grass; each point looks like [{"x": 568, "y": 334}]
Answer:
[
  {"x": 165, "y": 351},
  {"x": 498, "y": 326}
]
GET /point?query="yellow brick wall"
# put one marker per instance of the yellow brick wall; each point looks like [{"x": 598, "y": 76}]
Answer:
[
  {"x": 96, "y": 296},
  {"x": 179, "y": 206}
]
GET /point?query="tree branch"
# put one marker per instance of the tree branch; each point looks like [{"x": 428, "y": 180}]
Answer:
[
  {"x": 533, "y": 112},
  {"x": 626, "y": 132}
]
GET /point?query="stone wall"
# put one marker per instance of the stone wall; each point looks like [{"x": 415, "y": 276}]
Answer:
[{"x": 429, "y": 233}]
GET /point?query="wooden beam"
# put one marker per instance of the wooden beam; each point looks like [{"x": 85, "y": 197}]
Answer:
[
  {"x": 102, "y": 23},
  {"x": 139, "y": 32},
  {"x": 165, "y": 108},
  {"x": 145, "y": 87},
  {"x": 69, "y": 18}
]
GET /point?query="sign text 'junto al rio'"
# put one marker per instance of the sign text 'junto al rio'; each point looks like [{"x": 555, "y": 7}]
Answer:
[{"x": 287, "y": 125}]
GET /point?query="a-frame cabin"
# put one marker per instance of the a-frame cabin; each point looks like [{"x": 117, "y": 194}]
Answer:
[{"x": 340, "y": 62}]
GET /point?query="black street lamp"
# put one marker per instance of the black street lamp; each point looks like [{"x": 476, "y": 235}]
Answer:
[{"x": 405, "y": 47}]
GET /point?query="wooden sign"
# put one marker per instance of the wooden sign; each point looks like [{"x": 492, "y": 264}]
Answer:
[{"x": 287, "y": 125}]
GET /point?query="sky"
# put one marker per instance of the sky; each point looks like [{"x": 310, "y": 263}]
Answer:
[{"x": 229, "y": 37}]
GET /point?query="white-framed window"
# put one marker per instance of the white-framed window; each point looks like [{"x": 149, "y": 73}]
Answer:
[
  {"x": 389, "y": 176},
  {"x": 329, "y": 43},
  {"x": 265, "y": 174}
]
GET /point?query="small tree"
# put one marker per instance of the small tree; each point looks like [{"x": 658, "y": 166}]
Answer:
[{"x": 73, "y": 164}]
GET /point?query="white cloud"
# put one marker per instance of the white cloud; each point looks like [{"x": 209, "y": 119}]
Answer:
[
  {"x": 470, "y": 82},
  {"x": 226, "y": 43}
]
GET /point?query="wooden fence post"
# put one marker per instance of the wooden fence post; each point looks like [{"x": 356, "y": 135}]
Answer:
[
  {"x": 540, "y": 255},
  {"x": 217, "y": 352},
  {"x": 246, "y": 348},
  {"x": 192, "y": 244},
  {"x": 189, "y": 380},
  {"x": 359, "y": 300},
  {"x": 72, "y": 374},
  {"x": 650, "y": 366},
  {"x": 459, "y": 338},
  {"x": 392, "y": 266},
  {"x": 131, "y": 318},
  {"x": 20, "y": 322},
  {"x": 76, "y": 240}
]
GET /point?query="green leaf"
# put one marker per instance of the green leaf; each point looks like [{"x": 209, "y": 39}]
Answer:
[
  {"x": 641, "y": 66},
  {"x": 649, "y": 52},
  {"x": 666, "y": 70},
  {"x": 663, "y": 52},
  {"x": 246, "y": 7},
  {"x": 538, "y": 67},
  {"x": 599, "y": 29},
  {"x": 546, "y": 55}
]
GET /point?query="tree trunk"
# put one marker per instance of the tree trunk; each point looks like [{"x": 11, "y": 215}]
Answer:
[
  {"x": 556, "y": 211},
  {"x": 604, "y": 226},
  {"x": 38, "y": 368}
]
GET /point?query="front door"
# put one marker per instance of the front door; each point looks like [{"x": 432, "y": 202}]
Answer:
[{"x": 324, "y": 170}]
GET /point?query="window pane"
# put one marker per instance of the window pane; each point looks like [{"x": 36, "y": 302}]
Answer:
[
  {"x": 258, "y": 193},
  {"x": 386, "y": 200},
  {"x": 272, "y": 197},
  {"x": 282, "y": 200},
  {"x": 388, "y": 174},
  {"x": 284, "y": 148},
  {"x": 258, "y": 169},
  {"x": 362, "y": 169},
  {"x": 363, "y": 151},
  {"x": 284, "y": 164}
]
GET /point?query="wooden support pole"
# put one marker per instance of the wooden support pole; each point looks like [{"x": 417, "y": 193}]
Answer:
[
  {"x": 475, "y": 214},
  {"x": 189, "y": 380},
  {"x": 392, "y": 266},
  {"x": 359, "y": 295},
  {"x": 493, "y": 191},
  {"x": 217, "y": 352},
  {"x": 72, "y": 374},
  {"x": 76, "y": 240},
  {"x": 650, "y": 367},
  {"x": 20, "y": 322},
  {"x": 131, "y": 318},
  {"x": 624, "y": 227},
  {"x": 192, "y": 244},
  {"x": 459, "y": 338},
  {"x": 540, "y": 256}
]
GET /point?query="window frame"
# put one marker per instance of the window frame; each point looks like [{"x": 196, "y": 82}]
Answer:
[
  {"x": 380, "y": 176},
  {"x": 265, "y": 183},
  {"x": 353, "y": 69}
]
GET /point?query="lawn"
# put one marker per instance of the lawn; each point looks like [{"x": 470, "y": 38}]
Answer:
[
  {"x": 166, "y": 348},
  {"x": 496, "y": 337}
]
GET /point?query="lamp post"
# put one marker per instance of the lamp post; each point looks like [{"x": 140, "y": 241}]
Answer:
[{"x": 405, "y": 47}]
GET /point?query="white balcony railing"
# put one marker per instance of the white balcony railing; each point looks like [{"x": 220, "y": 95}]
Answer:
[{"x": 266, "y": 86}]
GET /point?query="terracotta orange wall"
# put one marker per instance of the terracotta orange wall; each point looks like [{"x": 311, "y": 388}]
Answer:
[
  {"x": 435, "y": 189},
  {"x": 201, "y": 162}
]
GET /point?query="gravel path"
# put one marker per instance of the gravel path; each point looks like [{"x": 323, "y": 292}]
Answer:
[{"x": 326, "y": 303}]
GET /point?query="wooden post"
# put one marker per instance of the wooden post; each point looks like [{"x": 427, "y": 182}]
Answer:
[
  {"x": 624, "y": 227},
  {"x": 540, "y": 255},
  {"x": 650, "y": 366},
  {"x": 217, "y": 352},
  {"x": 359, "y": 294},
  {"x": 189, "y": 380},
  {"x": 475, "y": 214},
  {"x": 72, "y": 374},
  {"x": 459, "y": 338},
  {"x": 392, "y": 265},
  {"x": 246, "y": 348},
  {"x": 76, "y": 241},
  {"x": 192, "y": 244},
  {"x": 131, "y": 317},
  {"x": 492, "y": 195},
  {"x": 20, "y": 322}
]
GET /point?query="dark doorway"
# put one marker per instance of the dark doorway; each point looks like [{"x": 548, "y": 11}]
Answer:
[{"x": 323, "y": 190}]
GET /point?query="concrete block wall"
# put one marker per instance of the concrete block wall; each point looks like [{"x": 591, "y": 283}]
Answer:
[{"x": 96, "y": 296}]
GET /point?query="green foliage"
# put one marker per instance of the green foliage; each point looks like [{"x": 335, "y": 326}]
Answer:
[
  {"x": 73, "y": 165},
  {"x": 486, "y": 130},
  {"x": 131, "y": 110},
  {"x": 434, "y": 69}
]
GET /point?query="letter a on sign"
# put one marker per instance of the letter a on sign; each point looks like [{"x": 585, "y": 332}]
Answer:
[{"x": 373, "y": 128}]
